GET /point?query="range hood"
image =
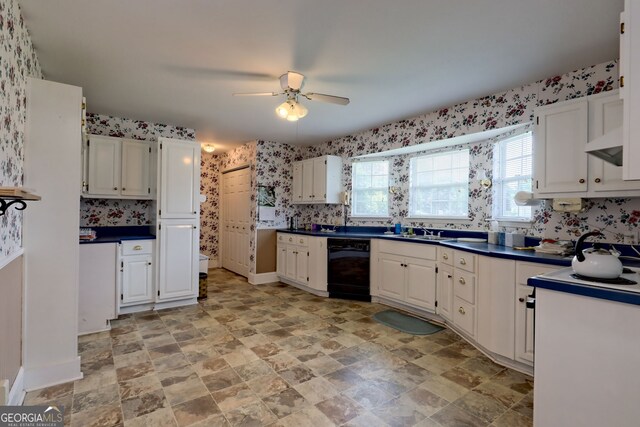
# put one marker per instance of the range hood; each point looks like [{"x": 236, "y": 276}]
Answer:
[{"x": 607, "y": 147}]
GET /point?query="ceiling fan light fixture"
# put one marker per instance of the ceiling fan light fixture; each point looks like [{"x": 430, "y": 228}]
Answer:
[
  {"x": 291, "y": 110},
  {"x": 208, "y": 148},
  {"x": 283, "y": 109}
]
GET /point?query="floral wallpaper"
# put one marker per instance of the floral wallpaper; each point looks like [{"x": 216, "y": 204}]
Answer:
[
  {"x": 18, "y": 60},
  {"x": 616, "y": 217},
  {"x": 116, "y": 212},
  {"x": 209, "y": 212}
]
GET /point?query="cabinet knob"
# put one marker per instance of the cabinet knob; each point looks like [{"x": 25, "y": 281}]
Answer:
[
  {"x": 291, "y": 239},
  {"x": 445, "y": 256},
  {"x": 463, "y": 261},
  {"x": 449, "y": 276},
  {"x": 194, "y": 212},
  {"x": 621, "y": 81},
  {"x": 194, "y": 227},
  {"x": 149, "y": 264},
  {"x": 581, "y": 181},
  {"x": 137, "y": 248},
  {"x": 462, "y": 281},
  {"x": 115, "y": 188},
  {"x": 597, "y": 180},
  {"x": 124, "y": 189},
  {"x": 461, "y": 310},
  {"x": 301, "y": 241},
  {"x": 521, "y": 299}
]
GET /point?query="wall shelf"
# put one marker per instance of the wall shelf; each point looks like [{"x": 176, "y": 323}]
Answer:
[{"x": 15, "y": 196}]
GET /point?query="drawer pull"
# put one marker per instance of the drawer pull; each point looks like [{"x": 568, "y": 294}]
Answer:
[
  {"x": 445, "y": 256},
  {"x": 291, "y": 239},
  {"x": 462, "y": 281},
  {"x": 461, "y": 310},
  {"x": 463, "y": 261},
  {"x": 137, "y": 248},
  {"x": 301, "y": 240}
]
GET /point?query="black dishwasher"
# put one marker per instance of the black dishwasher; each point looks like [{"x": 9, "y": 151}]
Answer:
[{"x": 348, "y": 269}]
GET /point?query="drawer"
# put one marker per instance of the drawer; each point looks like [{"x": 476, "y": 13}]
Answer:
[
  {"x": 464, "y": 285},
  {"x": 293, "y": 239},
  {"x": 445, "y": 255},
  {"x": 464, "y": 316},
  {"x": 465, "y": 261},
  {"x": 137, "y": 247},
  {"x": 415, "y": 250}
]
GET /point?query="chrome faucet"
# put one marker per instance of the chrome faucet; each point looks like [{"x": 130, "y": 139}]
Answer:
[{"x": 425, "y": 231}]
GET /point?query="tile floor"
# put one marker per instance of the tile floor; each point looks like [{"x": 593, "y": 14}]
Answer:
[{"x": 272, "y": 355}]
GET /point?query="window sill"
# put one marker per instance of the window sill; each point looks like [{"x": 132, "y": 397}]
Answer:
[
  {"x": 512, "y": 222},
  {"x": 375, "y": 218},
  {"x": 440, "y": 218}
]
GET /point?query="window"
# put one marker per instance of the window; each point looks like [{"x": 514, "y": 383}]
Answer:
[
  {"x": 512, "y": 164},
  {"x": 439, "y": 185},
  {"x": 370, "y": 185}
]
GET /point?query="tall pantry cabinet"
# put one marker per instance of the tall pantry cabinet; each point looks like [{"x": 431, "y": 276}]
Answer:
[{"x": 178, "y": 219}]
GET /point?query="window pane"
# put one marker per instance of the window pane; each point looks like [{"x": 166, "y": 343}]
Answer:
[
  {"x": 512, "y": 173},
  {"x": 439, "y": 184},
  {"x": 370, "y": 182}
]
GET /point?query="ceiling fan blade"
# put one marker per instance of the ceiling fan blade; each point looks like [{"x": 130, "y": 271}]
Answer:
[
  {"x": 258, "y": 94},
  {"x": 331, "y": 99}
]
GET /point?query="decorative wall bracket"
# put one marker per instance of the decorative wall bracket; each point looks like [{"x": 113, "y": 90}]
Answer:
[
  {"x": 16, "y": 197},
  {"x": 20, "y": 205}
]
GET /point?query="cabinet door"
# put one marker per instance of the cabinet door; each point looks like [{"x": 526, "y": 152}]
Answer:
[
  {"x": 307, "y": 180},
  {"x": 444, "y": 292},
  {"x": 318, "y": 260},
  {"x": 421, "y": 283},
  {"x": 290, "y": 266},
  {"x": 104, "y": 166},
  {"x": 559, "y": 159},
  {"x": 630, "y": 69},
  {"x": 296, "y": 185},
  {"x": 137, "y": 279},
  {"x": 391, "y": 275},
  {"x": 524, "y": 326},
  {"x": 135, "y": 168},
  {"x": 319, "y": 180},
  {"x": 302, "y": 265},
  {"x": 179, "y": 178},
  {"x": 178, "y": 263},
  {"x": 281, "y": 262},
  {"x": 605, "y": 115}
]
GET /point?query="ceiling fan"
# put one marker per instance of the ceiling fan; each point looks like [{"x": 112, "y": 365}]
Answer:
[{"x": 291, "y": 84}]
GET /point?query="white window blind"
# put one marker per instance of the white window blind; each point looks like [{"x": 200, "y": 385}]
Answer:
[
  {"x": 370, "y": 189},
  {"x": 439, "y": 185},
  {"x": 512, "y": 166}
]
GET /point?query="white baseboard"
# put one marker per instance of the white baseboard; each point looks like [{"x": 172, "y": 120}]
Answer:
[
  {"x": 178, "y": 303},
  {"x": 46, "y": 376},
  {"x": 262, "y": 278},
  {"x": 304, "y": 288},
  {"x": 136, "y": 308},
  {"x": 17, "y": 393}
]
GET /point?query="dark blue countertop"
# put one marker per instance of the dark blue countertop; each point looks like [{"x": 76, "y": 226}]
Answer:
[
  {"x": 586, "y": 290},
  {"x": 118, "y": 234},
  {"x": 486, "y": 249}
]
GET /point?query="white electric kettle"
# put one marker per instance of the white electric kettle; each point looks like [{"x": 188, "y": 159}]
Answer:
[{"x": 596, "y": 262}]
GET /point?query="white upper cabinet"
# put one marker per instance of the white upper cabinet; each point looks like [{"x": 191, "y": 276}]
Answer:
[
  {"x": 560, "y": 162},
  {"x": 103, "y": 165},
  {"x": 563, "y": 131},
  {"x": 317, "y": 180},
  {"x": 136, "y": 160},
  {"x": 630, "y": 88},
  {"x": 179, "y": 178},
  {"x": 117, "y": 168}
]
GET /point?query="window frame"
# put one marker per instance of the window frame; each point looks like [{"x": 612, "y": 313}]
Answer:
[
  {"x": 412, "y": 179},
  {"x": 354, "y": 191},
  {"x": 498, "y": 168}
]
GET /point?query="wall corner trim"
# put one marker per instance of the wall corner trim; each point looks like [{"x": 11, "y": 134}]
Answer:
[
  {"x": 262, "y": 278},
  {"x": 9, "y": 258},
  {"x": 49, "y": 375}
]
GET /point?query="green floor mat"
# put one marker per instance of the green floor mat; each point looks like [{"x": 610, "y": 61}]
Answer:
[{"x": 402, "y": 322}]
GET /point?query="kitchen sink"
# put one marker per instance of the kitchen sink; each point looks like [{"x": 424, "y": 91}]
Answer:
[{"x": 417, "y": 237}]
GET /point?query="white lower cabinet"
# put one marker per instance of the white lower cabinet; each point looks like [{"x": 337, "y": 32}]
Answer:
[
  {"x": 178, "y": 259},
  {"x": 302, "y": 261},
  {"x": 444, "y": 291},
  {"x": 136, "y": 273},
  {"x": 406, "y": 273}
]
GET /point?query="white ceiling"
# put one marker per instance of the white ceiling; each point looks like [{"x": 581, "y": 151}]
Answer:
[{"x": 178, "y": 62}]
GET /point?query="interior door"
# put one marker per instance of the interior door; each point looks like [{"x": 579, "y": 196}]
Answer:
[{"x": 236, "y": 218}]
